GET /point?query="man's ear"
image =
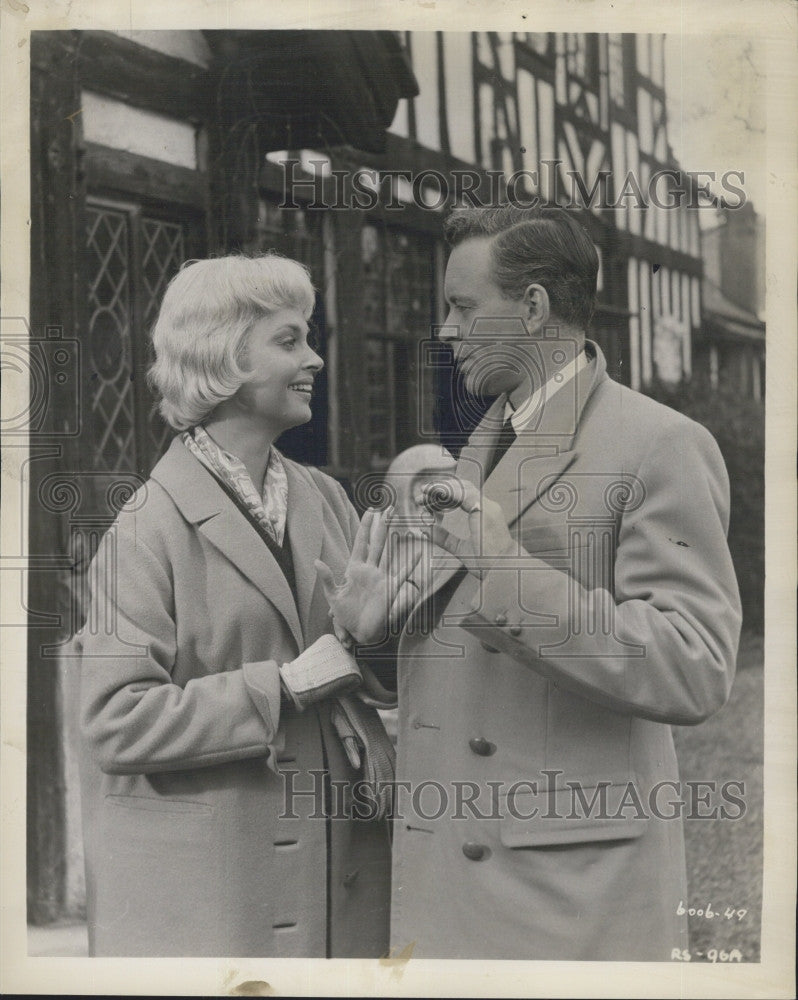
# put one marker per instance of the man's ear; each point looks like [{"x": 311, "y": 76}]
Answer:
[{"x": 537, "y": 308}]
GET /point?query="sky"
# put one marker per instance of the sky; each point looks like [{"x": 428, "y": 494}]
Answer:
[{"x": 716, "y": 93}]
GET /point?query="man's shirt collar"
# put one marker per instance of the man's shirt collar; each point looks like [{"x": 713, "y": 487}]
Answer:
[{"x": 522, "y": 415}]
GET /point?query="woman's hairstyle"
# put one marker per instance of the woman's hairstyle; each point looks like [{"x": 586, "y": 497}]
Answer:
[
  {"x": 539, "y": 245},
  {"x": 199, "y": 336}
]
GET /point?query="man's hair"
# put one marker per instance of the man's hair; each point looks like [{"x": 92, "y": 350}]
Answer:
[
  {"x": 543, "y": 245},
  {"x": 200, "y": 334}
]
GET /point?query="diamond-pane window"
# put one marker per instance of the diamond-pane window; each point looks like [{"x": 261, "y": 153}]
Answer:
[
  {"x": 110, "y": 352},
  {"x": 163, "y": 251},
  {"x": 131, "y": 257}
]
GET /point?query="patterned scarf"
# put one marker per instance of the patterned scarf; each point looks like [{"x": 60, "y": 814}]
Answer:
[{"x": 269, "y": 508}]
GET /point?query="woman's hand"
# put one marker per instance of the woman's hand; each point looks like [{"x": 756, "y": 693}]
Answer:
[{"x": 375, "y": 588}]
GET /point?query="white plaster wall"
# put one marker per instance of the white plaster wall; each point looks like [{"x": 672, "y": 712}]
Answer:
[
  {"x": 188, "y": 45},
  {"x": 133, "y": 130}
]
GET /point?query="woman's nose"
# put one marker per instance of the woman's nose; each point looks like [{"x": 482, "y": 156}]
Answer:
[{"x": 314, "y": 361}]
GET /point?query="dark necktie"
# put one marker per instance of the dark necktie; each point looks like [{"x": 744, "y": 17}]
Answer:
[{"x": 506, "y": 437}]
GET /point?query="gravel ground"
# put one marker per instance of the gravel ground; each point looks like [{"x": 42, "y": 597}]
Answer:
[{"x": 724, "y": 856}]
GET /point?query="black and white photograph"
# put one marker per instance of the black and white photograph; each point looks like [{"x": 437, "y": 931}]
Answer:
[{"x": 398, "y": 441}]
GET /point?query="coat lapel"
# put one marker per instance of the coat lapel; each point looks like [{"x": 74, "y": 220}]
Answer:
[
  {"x": 203, "y": 502},
  {"x": 544, "y": 450},
  {"x": 530, "y": 467}
]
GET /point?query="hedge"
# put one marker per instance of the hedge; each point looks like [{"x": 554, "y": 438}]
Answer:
[{"x": 738, "y": 425}]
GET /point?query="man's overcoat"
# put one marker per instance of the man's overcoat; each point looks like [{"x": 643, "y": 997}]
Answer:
[{"x": 535, "y": 716}]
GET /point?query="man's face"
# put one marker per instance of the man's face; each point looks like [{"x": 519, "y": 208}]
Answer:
[{"x": 486, "y": 329}]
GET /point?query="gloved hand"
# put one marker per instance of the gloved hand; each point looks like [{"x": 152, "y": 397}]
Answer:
[
  {"x": 368, "y": 748},
  {"x": 324, "y": 669},
  {"x": 373, "y": 693}
]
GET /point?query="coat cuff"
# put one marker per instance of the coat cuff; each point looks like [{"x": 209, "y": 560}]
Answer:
[{"x": 498, "y": 616}]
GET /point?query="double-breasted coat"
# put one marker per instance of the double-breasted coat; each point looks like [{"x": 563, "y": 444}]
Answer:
[
  {"x": 540, "y": 818},
  {"x": 203, "y": 794}
]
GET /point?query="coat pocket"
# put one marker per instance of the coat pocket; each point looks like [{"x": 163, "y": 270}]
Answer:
[
  {"x": 572, "y": 815},
  {"x": 139, "y": 821},
  {"x": 159, "y": 879},
  {"x": 148, "y": 803}
]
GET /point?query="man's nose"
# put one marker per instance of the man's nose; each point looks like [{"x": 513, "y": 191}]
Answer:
[{"x": 451, "y": 329}]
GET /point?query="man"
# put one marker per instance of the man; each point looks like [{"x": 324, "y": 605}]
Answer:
[{"x": 584, "y": 601}]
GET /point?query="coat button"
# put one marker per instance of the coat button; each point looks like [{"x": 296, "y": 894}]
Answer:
[
  {"x": 481, "y": 747},
  {"x": 515, "y": 630},
  {"x": 488, "y": 648},
  {"x": 351, "y": 877},
  {"x": 474, "y": 852},
  {"x": 501, "y": 619}
]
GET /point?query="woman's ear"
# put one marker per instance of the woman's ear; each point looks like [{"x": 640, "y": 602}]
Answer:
[{"x": 537, "y": 308}]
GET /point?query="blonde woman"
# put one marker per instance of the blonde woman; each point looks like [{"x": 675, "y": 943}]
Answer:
[{"x": 222, "y": 731}]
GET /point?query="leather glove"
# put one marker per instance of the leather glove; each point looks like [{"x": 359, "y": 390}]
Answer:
[
  {"x": 324, "y": 669},
  {"x": 368, "y": 748},
  {"x": 373, "y": 693}
]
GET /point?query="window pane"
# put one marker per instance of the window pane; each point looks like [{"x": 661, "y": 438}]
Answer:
[
  {"x": 409, "y": 285},
  {"x": 398, "y": 310},
  {"x": 617, "y": 90},
  {"x": 373, "y": 257},
  {"x": 163, "y": 251},
  {"x": 109, "y": 335},
  {"x": 539, "y": 41},
  {"x": 381, "y": 401},
  {"x": 579, "y": 60}
]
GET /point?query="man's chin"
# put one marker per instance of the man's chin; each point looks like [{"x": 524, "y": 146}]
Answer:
[{"x": 491, "y": 385}]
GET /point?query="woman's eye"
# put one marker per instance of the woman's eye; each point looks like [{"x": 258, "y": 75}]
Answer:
[{"x": 290, "y": 343}]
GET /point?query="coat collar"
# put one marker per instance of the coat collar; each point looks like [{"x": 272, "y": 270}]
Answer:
[
  {"x": 202, "y": 502},
  {"x": 533, "y": 463},
  {"x": 541, "y": 452}
]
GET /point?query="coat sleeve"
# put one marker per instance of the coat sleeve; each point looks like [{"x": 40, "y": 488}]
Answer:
[
  {"x": 659, "y": 640},
  {"x": 135, "y": 718}
]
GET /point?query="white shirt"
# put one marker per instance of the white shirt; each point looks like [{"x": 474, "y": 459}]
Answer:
[{"x": 522, "y": 415}]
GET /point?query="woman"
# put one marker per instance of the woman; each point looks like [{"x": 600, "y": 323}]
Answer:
[{"x": 218, "y": 735}]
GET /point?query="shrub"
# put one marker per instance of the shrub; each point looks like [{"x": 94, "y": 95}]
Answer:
[{"x": 738, "y": 425}]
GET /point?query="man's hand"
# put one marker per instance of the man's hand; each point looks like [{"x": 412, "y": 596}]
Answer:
[
  {"x": 488, "y": 534},
  {"x": 375, "y": 588}
]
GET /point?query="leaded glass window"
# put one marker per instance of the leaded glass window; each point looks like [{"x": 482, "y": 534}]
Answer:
[
  {"x": 398, "y": 304},
  {"x": 109, "y": 338},
  {"x": 130, "y": 258}
]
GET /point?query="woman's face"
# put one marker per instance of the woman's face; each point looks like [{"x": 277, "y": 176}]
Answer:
[{"x": 283, "y": 366}]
